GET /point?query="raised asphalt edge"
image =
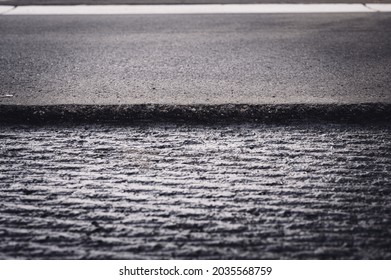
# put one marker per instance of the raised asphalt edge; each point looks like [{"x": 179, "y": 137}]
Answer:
[{"x": 227, "y": 113}]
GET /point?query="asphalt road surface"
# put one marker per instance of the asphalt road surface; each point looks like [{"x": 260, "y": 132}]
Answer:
[
  {"x": 195, "y": 192},
  {"x": 219, "y": 191},
  {"x": 195, "y": 59}
]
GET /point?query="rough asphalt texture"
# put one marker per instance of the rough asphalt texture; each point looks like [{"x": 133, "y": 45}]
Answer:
[
  {"x": 195, "y": 59},
  {"x": 219, "y": 192}
]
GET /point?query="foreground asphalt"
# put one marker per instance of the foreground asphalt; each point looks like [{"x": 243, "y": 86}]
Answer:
[
  {"x": 195, "y": 192},
  {"x": 195, "y": 59}
]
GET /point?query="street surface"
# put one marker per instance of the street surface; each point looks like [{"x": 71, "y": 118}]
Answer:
[
  {"x": 293, "y": 160},
  {"x": 196, "y": 59},
  {"x": 195, "y": 192}
]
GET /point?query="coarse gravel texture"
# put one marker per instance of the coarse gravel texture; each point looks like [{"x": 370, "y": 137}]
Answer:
[{"x": 195, "y": 192}]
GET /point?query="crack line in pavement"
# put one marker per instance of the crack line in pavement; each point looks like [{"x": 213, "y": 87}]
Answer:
[
  {"x": 370, "y": 8},
  {"x": 7, "y": 11}
]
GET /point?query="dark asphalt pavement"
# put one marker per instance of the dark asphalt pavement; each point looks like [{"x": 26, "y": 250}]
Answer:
[{"x": 188, "y": 59}]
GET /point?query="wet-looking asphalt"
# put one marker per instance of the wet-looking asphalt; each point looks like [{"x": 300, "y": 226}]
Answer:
[{"x": 190, "y": 191}]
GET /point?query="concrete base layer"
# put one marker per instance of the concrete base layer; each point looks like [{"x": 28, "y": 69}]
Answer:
[{"x": 189, "y": 191}]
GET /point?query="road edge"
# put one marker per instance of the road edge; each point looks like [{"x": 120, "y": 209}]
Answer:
[{"x": 227, "y": 113}]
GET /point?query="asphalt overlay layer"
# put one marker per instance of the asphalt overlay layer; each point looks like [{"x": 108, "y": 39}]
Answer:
[
  {"x": 195, "y": 192},
  {"x": 195, "y": 59}
]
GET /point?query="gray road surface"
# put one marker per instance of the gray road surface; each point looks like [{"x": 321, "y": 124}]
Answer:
[
  {"x": 220, "y": 192},
  {"x": 192, "y": 59},
  {"x": 245, "y": 191}
]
